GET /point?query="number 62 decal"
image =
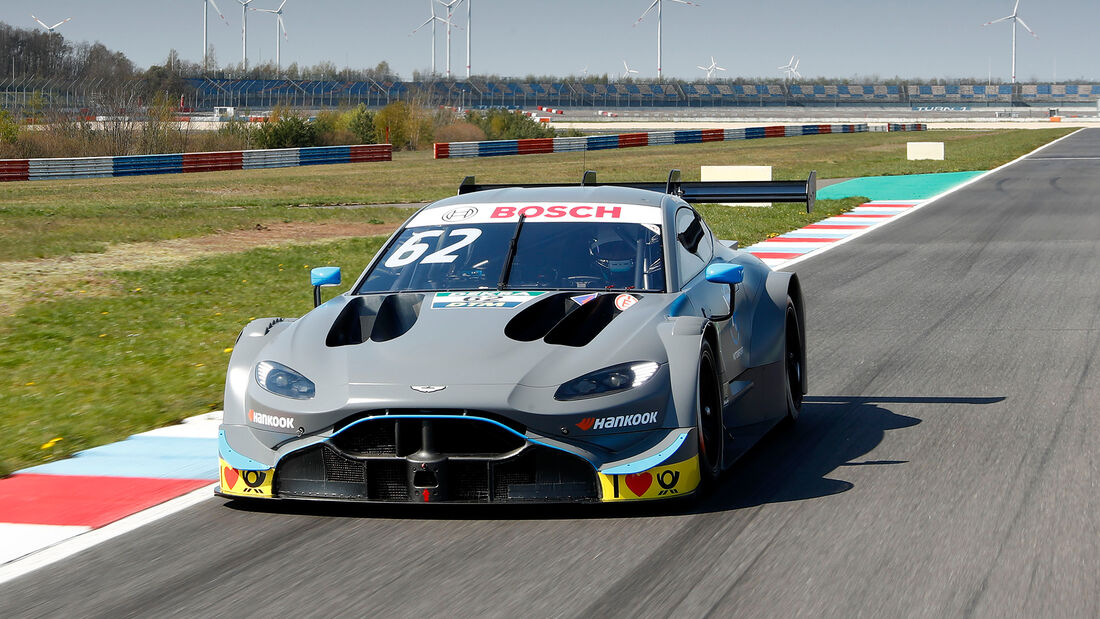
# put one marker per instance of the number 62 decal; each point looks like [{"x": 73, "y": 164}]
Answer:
[{"x": 414, "y": 248}]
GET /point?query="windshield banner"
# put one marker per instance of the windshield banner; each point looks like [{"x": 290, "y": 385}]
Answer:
[
  {"x": 483, "y": 298},
  {"x": 548, "y": 211}
]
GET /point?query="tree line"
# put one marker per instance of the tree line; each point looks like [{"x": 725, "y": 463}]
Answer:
[{"x": 27, "y": 52}]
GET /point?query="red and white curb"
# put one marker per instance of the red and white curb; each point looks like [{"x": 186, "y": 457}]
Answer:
[
  {"x": 52, "y": 511},
  {"x": 778, "y": 251}
]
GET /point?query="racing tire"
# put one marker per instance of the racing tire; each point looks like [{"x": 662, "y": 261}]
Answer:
[
  {"x": 708, "y": 418},
  {"x": 794, "y": 362}
]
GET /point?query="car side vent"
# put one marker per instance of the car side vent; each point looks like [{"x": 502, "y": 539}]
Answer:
[
  {"x": 376, "y": 318},
  {"x": 535, "y": 321},
  {"x": 396, "y": 315},
  {"x": 581, "y": 326}
]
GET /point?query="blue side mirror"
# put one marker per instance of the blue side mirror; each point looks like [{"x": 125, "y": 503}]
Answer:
[
  {"x": 731, "y": 274},
  {"x": 323, "y": 276},
  {"x": 725, "y": 273}
]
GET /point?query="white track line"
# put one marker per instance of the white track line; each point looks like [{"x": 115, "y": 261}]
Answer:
[
  {"x": 21, "y": 539},
  {"x": 923, "y": 204}
]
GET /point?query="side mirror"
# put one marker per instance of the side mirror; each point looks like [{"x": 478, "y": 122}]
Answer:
[
  {"x": 323, "y": 276},
  {"x": 730, "y": 274},
  {"x": 725, "y": 273}
]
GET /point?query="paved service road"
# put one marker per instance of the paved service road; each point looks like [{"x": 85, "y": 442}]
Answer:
[{"x": 945, "y": 465}]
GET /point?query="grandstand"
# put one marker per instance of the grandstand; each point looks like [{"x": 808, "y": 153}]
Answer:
[
  {"x": 921, "y": 95},
  {"x": 207, "y": 93},
  {"x": 266, "y": 93}
]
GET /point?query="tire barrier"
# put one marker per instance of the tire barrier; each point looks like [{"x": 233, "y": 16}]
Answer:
[
  {"x": 494, "y": 148},
  {"x": 138, "y": 165}
]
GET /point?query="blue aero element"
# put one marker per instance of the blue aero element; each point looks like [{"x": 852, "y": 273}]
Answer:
[
  {"x": 647, "y": 463},
  {"x": 236, "y": 460},
  {"x": 725, "y": 273},
  {"x": 325, "y": 276}
]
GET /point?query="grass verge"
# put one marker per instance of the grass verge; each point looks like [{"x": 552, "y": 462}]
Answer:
[{"x": 56, "y": 218}]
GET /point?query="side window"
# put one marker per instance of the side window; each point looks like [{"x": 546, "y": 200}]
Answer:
[
  {"x": 706, "y": 246},
  {"x": 692, "y": 244}
]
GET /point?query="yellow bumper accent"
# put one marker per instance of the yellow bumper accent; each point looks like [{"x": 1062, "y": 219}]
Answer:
[
  {"x": 659, "y": 482},
  {"x": 245, "y": 483}
]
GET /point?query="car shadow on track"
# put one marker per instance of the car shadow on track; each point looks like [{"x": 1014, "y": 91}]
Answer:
[
  {"x": 798, "y": 462},
  {"x": 792, "y": 463}
]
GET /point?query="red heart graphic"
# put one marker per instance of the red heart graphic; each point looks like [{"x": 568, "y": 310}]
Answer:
[
  {"x": 639, "y": 482},
  {"x": 230, "y": 476}
]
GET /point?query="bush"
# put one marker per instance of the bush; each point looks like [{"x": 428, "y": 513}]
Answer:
[
  {"x": 232, "y": 135},
  {"x": 326, "y": 125},
  {"x": 507, "y": 125},
  {"x": 361, "y": 125},
  {"x": 408, "y": 127},
  {"x": 460, "y": 132},
  {"x": 286, "y": 132},
  {"x": 9, "y": 128}
]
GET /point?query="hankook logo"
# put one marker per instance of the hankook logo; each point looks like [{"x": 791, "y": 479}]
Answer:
[
  {"x": 617, "y": 421},
  {"x": 428, "y": 388},
  {"x": 459, "y": 214}
]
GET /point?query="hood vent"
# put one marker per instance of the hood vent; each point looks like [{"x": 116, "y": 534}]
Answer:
[
  {"x": 375, "y": 318},
  {"x": 567, "y": 318}
]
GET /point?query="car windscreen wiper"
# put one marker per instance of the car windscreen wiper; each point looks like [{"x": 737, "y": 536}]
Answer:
[{"x": 512, "y": 245}]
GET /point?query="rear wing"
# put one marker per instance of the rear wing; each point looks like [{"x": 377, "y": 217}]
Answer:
[{"x": 689, "y": 191}]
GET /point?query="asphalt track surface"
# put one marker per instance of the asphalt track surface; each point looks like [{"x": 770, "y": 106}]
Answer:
[{"x": 945, "y": 464}]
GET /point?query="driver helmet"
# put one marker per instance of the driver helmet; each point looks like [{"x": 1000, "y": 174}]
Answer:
[{"x": 613, "y": 257}]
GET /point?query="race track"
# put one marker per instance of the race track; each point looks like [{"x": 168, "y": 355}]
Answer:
[{"x": 945, "y": 464}]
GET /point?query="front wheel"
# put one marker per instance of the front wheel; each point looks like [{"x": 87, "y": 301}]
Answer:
[
  {"x": 709, "y": 417},
  {"x": 794, "y": 361}
]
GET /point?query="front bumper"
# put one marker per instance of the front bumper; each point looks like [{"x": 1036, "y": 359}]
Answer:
[{"x": 409, "y": 459}]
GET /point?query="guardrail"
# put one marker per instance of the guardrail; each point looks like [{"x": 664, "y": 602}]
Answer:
[
  {"x": 136, "y": 165},
  {"x": 494, "y": 148}
]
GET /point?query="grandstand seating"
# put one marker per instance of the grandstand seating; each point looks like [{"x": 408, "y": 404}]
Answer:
[
  {"x": 474, "y": 93},
  {"x": 959, "y": 92}
]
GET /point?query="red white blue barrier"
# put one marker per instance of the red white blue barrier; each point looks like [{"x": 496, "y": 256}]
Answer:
[
  {"x": 494, "y": 148},
  {"x": 177, "y": 163},
  {"x": 907, "y": 127}
]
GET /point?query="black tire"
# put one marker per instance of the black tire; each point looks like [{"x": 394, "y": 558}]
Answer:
[
  {"x": 708, "y": 424},
  {"x": 794, "y": 361}
]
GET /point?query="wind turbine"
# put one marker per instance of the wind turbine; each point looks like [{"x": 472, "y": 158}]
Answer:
[
  {"x": 50, "y": 29},
  {"x": 469, "y": 16},
  {"x": 205, "y": 48},
  {"x": 1015, "y": 19},
  {"x": 584, "y": 71},
  {"x": 244, "y": 32},
  {"x": 791, "y": 68},
  {"x": 450, "y": 13},
  {"x": 431, "y": 20},
  {"x": 659, "y": 4},
  {"x": 712, "y": 68},
  {"x": 627, "y": 70},
  {"x": 279, "y": 25}
]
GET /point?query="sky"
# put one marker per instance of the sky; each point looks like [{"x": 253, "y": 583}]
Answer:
[{"x": 837, "y": 39}]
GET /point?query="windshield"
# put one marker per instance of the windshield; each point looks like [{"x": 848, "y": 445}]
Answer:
[{"x": 549, "y": 255}]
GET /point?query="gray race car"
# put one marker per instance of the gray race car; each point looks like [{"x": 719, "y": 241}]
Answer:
[{"x": 525, "y": 344}]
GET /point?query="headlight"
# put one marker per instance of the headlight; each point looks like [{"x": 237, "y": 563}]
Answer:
[
  {"x": 607, "y": 380},
  {"x": 281, "y": 380}
]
